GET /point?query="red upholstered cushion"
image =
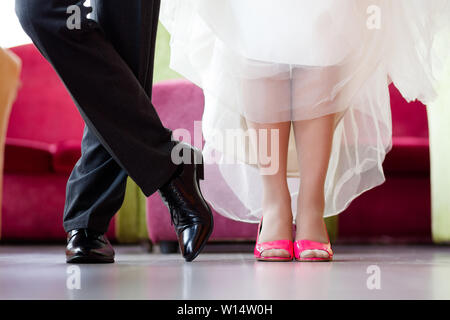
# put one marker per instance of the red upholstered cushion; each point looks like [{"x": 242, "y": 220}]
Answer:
[
  {"x": 25, "y": 156},
  {"x": 44, "y": 110},
  {"x": 408, "y": 155},
  {"x": 179, "y": 104},
  {"x": 65, "y": 155},
  {"x": 33, "y": 208},
  {"x": 399, "y": 209},
  {"x": 45, "y": 127},
  {"x": 410, "y": 152}
]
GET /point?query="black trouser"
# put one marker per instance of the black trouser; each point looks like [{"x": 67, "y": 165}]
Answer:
[{"x": 107, "y": 66}]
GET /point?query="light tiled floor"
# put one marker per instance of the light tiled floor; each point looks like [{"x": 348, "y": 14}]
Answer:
[{"x": 404, "y": 272}]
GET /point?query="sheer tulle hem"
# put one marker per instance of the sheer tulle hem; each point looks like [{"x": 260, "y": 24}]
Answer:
[{"x": 362, "y": 138}]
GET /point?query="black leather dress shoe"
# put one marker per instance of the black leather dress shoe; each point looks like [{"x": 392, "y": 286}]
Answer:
[
  {"x": 190, "y": 213},
  {"x": 87, "y": 246}
]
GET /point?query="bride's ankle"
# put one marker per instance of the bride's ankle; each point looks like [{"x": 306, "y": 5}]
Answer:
[
  {"x": 276, "y": 228},
  {"x": 311, "y": 228},
  {"x": 276, "y": 225}
]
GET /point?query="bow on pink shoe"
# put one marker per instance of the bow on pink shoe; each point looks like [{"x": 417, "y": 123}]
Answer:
[
  {"x": 287, "y": 245},
  {"x": 301, "y": 246}
]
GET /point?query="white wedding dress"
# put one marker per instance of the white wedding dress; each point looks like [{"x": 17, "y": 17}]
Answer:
[{"x": 288, "y": 60}]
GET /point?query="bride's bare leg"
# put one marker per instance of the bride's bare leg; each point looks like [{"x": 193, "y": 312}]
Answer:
[
  {"x": 264, "y": 98},
  {"x": 277, "y": 213},
  {"x": 314, "y": 143}
]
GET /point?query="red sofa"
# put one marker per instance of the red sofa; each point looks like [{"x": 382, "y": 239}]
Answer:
[
  {"x": 397, "y": 211},
  {"x": 42, "y": 145}
]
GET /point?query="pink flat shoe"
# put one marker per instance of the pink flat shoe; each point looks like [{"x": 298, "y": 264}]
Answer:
[
  {"x": 302, "y": 245},
  {"x": 287, "y": 245}
]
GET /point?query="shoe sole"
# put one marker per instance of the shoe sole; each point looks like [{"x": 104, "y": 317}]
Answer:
[
  {"x": 89, "y": 260},
  {"x": 314, "y": 260},
  {"x": 274, "y": 260}
]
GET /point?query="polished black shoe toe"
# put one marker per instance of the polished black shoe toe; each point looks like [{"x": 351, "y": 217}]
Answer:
[
  {"x": 192, "y": 240},
  {"x": 86, "y": 246}
]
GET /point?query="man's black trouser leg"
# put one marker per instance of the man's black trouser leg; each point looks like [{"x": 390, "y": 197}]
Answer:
[
  {"x": 107, "y": 67},
  {"x": 96, "y": 187}
]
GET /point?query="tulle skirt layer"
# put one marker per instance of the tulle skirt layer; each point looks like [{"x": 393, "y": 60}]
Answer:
[{"x": 292, "y": 61}]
